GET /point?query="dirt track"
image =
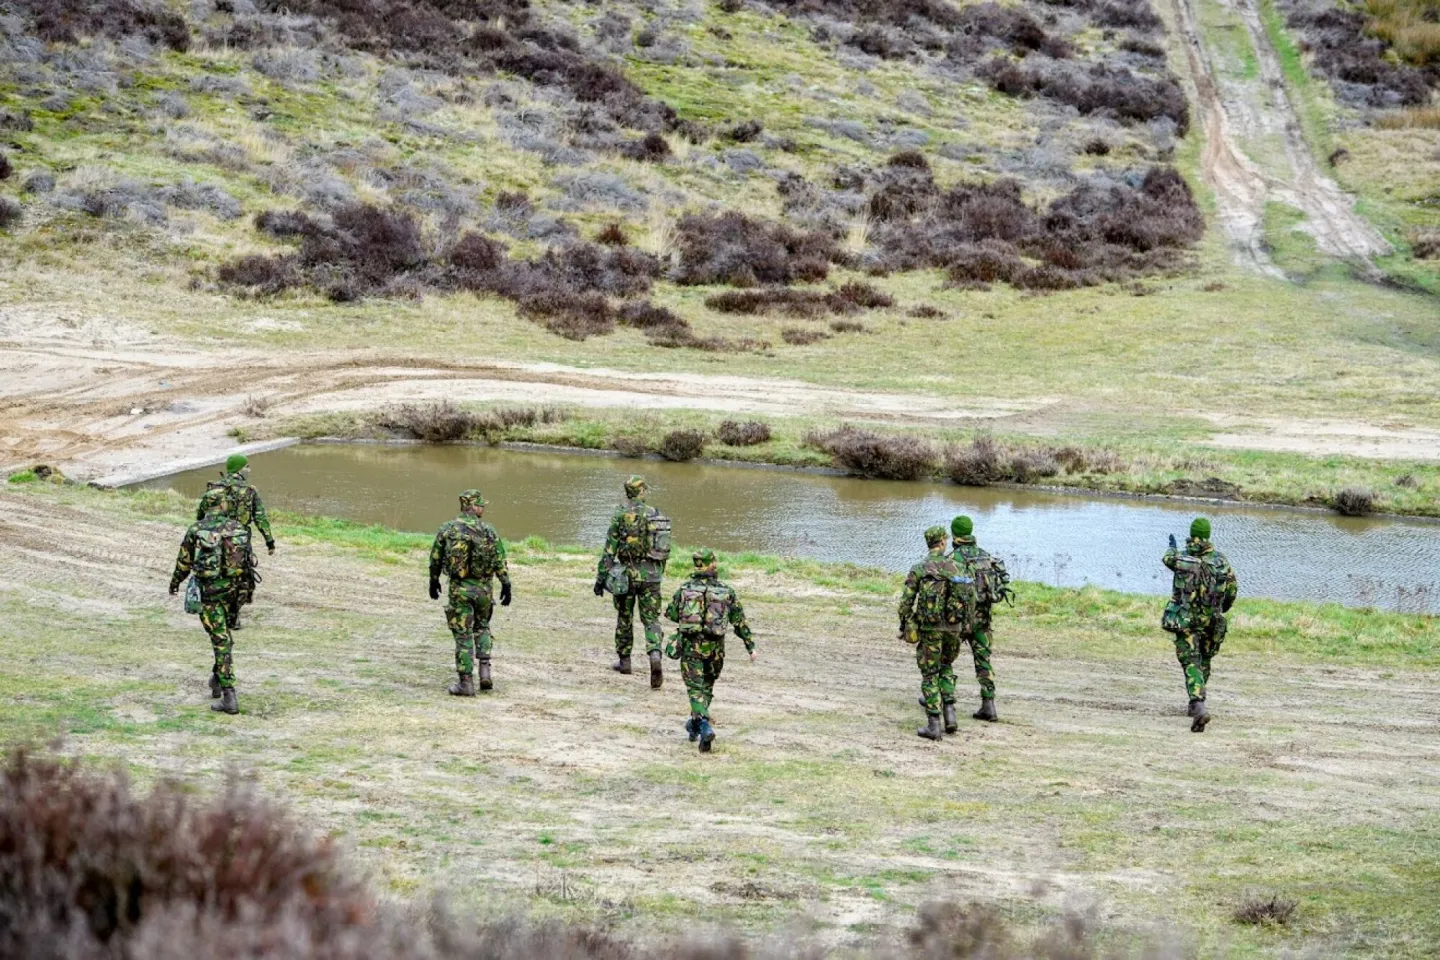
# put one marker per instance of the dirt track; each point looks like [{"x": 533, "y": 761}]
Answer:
[{"x": 1231, "y": 110}]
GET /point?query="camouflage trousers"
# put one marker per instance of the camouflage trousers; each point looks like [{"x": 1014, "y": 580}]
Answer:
[
  {"x": 979, "y": 641},
  {"x": 935, "y": 654},
  {"x": 646, "y": 596},
  {"x": 1195, "y": 649},
  {"x": 215, "y": 618},
  {"x": 700, "y": 674},
  {"x": 468, "y": 614}
]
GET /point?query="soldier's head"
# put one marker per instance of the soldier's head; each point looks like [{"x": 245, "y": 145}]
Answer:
[
  {"x": 935, "y": 537},
  {"x": 635, "y": 487},
  {"x": 236, "y": 462},
  {"x": 705, "y": 561},
  {"x": 472, "y": 503},
  {"x": 962, "y": 526},
  {"x": 1200, "y": 529}
]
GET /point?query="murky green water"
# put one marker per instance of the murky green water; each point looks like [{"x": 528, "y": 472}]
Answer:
[{"x": 1058, "y": 539}]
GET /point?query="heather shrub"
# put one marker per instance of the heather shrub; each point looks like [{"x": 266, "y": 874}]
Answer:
[
  {"x": 864, "y": 453},
  {"x": 848, "y": 298},
  {"x": 437, "y": 422},
  {"x": 1354, "y": 502},
  {"x": 630, "y": 446},
  {"x": 801, "y": 336},
  {"x": 612, "y": 235},
  {"x": 1274, "y": 911},
  {"x": 681, "y": 445},
  {"x": 731, "y": 248},
  {"x": 11, "y": 213},
  {"x": 69, "y": 21},
  {"x": 733, "y": 433},
  {"x": 5, "y": 168},
  {"x": 976, "y": 464}
]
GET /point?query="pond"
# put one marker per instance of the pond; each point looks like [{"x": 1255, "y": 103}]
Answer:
[{"x": 1055, "y": 538}]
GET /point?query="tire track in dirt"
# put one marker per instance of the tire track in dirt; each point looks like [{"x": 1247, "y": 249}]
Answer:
[{"x": 1242, "y": 188}]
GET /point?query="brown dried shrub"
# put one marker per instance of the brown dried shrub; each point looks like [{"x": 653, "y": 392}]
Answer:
[
  {"x": 865, "y": 453},
  {"x": 438, "y": 422},
  {"x": 11, "y": 213},
  {"x": 1276, "y": 911},
  {"x": 733, "y": 433},
  {"x": 1354, "y": 502},
  {"x": 5, "y": 168},
  {"x": 977, "y": 464},
  {"x": 630, "y": 446},
  {"x": 681, "y": 445},
  {"x": 731, "y": 248},
  {"x": 801, "y": 336},
  {"x": 612, "y": 235}
]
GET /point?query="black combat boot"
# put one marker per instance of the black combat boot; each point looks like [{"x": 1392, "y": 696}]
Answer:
[
  {"x": 228, "y": 703},
  {"x": 950, "y": 725},
  {"x": 986, "y": 711},
  {"x": 622, "y": 666},
  {"x": 485, "y": 682},
  {"x": 692, "y": 727},
  {"x": 931, "y": 730},
  {"x": 463, "y": 687},
  {"x": 1201, "y": 715},
  {"x": 214, "y": 685},
  {"x": 657, "y": 674},
  {"x": 706, "y": 734}
]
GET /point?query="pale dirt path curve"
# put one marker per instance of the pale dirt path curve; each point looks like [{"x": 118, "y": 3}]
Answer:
[{"x": 1242, "y": 188}]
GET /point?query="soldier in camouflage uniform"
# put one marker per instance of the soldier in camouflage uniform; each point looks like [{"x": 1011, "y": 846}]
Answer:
[
  {"x": 470, "y": 553},
  {"x": 1204, "y": 589},
  {"x": 214, "y": 549},
  {"x": 936, "y": 608},
  {"x": 703, "y": 607},
  {"x": 233, "y": 496},
  {"x": 991, "y": 584},
  {"x": 631, "y": 568}
]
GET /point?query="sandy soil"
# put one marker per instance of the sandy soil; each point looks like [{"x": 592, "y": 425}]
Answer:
[{"x": 819, "y": 794}]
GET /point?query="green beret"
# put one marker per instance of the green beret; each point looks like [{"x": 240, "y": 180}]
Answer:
[
  {"x": 1200, "y": 529},
  {"x": 472, "y": 498},
  {"x": 934, "y": 535},
  {"x": 962, "y": 526},
  {"x": 635, "y": 486},
  {"x": 704, "y": 558},
  {"x": 236, "y": 462}
]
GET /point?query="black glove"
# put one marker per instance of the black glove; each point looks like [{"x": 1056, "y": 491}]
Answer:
[
  {"x": 505, "y": 594},
  {"x": 1173, "y": 544},
  {"x": 174, "y": 589},
  {"x": 1227, "y": 604},
  {"x": 434, "y": 589},
  {"x": 599, "y": 588},
  {"x": 271, "y": 547}
]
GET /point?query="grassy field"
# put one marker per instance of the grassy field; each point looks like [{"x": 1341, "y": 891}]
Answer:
[{"x": 571, "y": 792}]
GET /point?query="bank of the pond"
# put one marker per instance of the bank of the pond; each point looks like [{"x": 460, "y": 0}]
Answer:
[
  {"x": 1062, "y": 539},
  {"x": 1180, "y": 465}
]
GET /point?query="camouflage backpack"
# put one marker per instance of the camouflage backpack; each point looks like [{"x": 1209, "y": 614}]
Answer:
[
  {"x": 643, "y": 534},
  {"x": 991, "y": 578},
  {"x": 472, "y": 551},
  {"x": 228, "y": 499},
  {"x": 222, "y": 548},
  {"x": 705, "y": 608},
  {"x": 1198, "y": 589},
  {"x": 946, "y": 600}
]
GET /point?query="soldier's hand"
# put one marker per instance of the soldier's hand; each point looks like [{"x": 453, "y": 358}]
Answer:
[
  {"x": 505, "y": 594},
  {"x": 599, "y": 588},
  {"x": 752, "y": 656},
  {"x": 270, "y": 547},
  {"x": 434, "y": 589},
  {"x": 1173, "y": 544},
  {"x": 174, "y": 589}
]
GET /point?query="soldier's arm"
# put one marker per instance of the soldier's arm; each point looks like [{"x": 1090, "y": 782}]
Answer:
[
  {"x": 612, "y": 546},
  {"x": 737, "y": 620},
  {"x": 437, "y": 556},
  {"x": 907, "y": 596},
  {"x": 1169, "y": 558},
  {"x": 672, "y": 609},
  {"x": 504, "y": 572},
  {"x": 262, "y": 519},
  {"x": 1232, "y": 586},
  {"x": 184, "y": 561},
  {"x": 200, "y": 509}
]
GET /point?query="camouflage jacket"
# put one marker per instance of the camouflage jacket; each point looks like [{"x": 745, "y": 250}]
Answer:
[
  {"x": 641, "y": 571},
  {"x": 705, "y": 645},
  {"x": 441, "y": 559},
  {"x": 1227, "y": 585},
  {"x": 185, "y": 562},
  {"x": 936, "y": 563},
  {"x": 245, "y": 505}
]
